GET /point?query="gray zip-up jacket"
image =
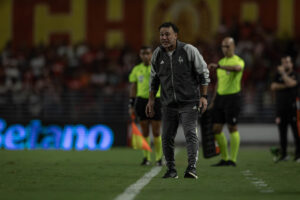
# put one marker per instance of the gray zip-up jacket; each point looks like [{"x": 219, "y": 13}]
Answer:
[{"x": 179, "y": 74}]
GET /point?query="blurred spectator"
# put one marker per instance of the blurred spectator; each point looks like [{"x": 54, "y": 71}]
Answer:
[{"x": 56, "y": 80}]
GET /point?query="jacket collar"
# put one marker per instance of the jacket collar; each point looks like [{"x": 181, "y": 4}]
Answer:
[{"x": 179, "y": 45}]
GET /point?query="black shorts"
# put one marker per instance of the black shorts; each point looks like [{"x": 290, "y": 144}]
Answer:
[
  {"x": 227, "y": 109},
  {"x": 140, "y": 109}
]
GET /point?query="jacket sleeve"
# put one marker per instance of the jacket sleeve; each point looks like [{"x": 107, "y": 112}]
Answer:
[
  {"x": 200, "y": 65},
  {"x": 154, "y": 79}
]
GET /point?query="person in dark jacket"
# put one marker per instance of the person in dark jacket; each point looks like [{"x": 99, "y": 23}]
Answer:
[
  {"x": 182, "y": 73},
  {"x": 286, "y": 85}
]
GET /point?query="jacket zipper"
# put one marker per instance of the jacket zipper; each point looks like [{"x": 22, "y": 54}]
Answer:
[{"x": 173, "y": 79}]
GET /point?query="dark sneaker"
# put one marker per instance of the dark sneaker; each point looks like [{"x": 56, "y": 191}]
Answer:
[
  {"x": 145, "y": 162},
  {"x": 282, "y": 158},
  {"x": 231, "y": 163},
  {"x": 159, "y": 163},
  {"x": 190, "y": 172},
  {"x": 221, "y": 163},
  {"x": 171, "y": 173}
]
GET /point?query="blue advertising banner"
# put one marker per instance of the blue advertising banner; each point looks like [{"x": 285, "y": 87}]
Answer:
[{"x": 37, "y": 136}]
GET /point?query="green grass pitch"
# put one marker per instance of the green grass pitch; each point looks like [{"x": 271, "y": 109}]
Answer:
[{"x": 106, "y": 174}]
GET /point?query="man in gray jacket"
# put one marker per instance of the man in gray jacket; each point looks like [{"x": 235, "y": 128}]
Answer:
[{"x": 181, "y": 71}]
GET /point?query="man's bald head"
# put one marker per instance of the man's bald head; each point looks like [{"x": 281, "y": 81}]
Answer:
[
  {"x": 228, "y": 46},
  {"x": 229, "y": 40}
]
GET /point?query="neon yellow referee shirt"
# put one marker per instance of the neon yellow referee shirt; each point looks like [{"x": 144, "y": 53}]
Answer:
[
  {"x": 140, "y": 75},
  {"x": 229, "y": 82}
]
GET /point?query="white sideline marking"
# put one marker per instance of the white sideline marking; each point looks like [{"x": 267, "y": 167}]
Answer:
[
  {"x": 134, "y": 189},
  {"x": 258, "y": 182}
]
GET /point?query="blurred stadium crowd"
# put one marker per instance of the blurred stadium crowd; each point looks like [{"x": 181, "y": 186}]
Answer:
[{"x": 80, "y": 82}]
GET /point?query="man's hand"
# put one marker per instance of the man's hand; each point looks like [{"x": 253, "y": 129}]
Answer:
[
  {"x": 277, "y": 120},
  {"x": 212, "y": 66},
  {"x": 150, "y": 108},
  {"x": 274, "y": 86},
  {"x": 281, "y": 69},
  {"x": 203, "y": 104}
]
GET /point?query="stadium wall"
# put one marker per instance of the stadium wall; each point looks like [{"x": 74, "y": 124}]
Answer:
[
  {"x": 134, "y": 22},
  {"x": 251, "y": 134}
]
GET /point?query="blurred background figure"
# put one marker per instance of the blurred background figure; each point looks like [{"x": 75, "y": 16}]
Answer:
[
  {"x": 138, "y": 99},
  {"x": 286, "y": 88},
  {"x": 226, "y": 103}
]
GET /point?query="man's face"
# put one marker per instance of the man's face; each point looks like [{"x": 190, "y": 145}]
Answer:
[
  {"x": 167, "y": 37},
  {"x": 227, "y": 47},
  {"x": 286, "y": 62},
  {"x": 145, "y": 55}
]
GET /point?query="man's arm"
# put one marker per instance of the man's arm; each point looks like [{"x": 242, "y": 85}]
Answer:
[
  {"x": 199, "y": 64},
  {"x": 132, "y": 97},
  {"x": 203, "y": 90},
  {"x": 150, "y": 105},
  {"x": 154, "y": 79},
  {"x": 202, "y": 72},
  {"x": 236, "y": 68},
  {"x": 154, "y": 85},
  {"x": 212, "y": 100},
  {"x": 132, "y": 92},
  {"x": 203, "y": 98},
  {"x": 277, "y": 86},
  {"x": 288, "y": 81}
]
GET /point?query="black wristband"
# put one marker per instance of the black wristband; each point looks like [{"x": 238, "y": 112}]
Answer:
[
  {"x": 131, "y": 102},
  {"x": 204, "y": 96}
]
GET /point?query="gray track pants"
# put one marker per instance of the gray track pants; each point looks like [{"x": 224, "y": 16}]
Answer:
[{"x": 187, "y": 115}]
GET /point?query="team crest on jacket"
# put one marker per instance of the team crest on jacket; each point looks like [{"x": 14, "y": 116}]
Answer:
[
  {"x": 180, "y": 60},
  {"x": 162, "y": 62}
]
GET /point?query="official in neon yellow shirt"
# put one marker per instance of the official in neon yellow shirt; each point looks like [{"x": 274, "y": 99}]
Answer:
[
  {"x": 227, "y": 102},
  {"x": 139, "y": 94}
]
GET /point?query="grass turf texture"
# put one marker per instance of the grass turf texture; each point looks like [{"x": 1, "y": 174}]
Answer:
[{"x": 106, "y": 174}]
